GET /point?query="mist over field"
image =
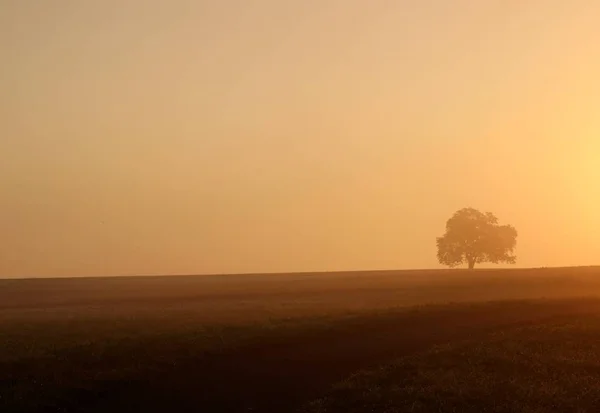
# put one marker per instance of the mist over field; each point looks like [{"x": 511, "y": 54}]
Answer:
[{"x": 145, "y": 137}]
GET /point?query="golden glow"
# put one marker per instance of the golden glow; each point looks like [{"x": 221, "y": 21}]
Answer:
[{"x": 235, "y": 136}]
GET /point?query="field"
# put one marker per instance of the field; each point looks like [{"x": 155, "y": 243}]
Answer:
[
  {"x": 487, "y": 340},
  {"x": 547, "y": 367}
]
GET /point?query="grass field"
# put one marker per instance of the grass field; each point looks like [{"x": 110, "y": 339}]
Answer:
[
  {"x": 448, "y": 341},
  {"x": 547, "y": 367}
]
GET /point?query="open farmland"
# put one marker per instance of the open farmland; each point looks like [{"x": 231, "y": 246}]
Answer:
[
  {"x": 548, "y": 366},
  {"x": 238, "y": 343}
]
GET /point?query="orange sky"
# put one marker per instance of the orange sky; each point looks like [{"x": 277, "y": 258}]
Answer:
[{"x": 155, "y": 137}]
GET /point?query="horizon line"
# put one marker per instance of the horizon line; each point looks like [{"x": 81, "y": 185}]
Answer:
[{"x": 328, "y": 272}]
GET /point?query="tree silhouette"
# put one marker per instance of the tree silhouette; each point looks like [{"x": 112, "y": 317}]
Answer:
[{"x": 473, "y": 237}]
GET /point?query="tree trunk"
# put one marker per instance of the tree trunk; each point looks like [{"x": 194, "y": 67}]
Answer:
[{"x": 471, "y": 263}]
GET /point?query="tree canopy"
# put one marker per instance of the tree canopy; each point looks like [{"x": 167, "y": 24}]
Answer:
[{"x": 474, "y": 237}]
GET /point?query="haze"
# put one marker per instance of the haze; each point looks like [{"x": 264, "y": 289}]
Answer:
[{"x": 155, "y": 137}]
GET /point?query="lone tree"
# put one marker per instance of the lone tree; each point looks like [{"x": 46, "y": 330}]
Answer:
[{"x": 473, "y": 237}]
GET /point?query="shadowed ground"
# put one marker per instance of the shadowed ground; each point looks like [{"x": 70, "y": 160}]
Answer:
[
  {"x": 218, "y": 348},
  {"x": 543, "y": 367}
]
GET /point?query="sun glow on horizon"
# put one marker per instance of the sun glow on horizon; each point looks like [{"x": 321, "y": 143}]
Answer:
[{"x": 234, "y": 136}]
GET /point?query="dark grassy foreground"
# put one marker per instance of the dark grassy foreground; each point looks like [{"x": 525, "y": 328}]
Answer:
[
  {"x": 273, "y": 343},
  {"x": 548, "y": 367}
]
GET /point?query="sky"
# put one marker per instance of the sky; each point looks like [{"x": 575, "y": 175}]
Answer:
[{"x": 226, "y": 136}]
